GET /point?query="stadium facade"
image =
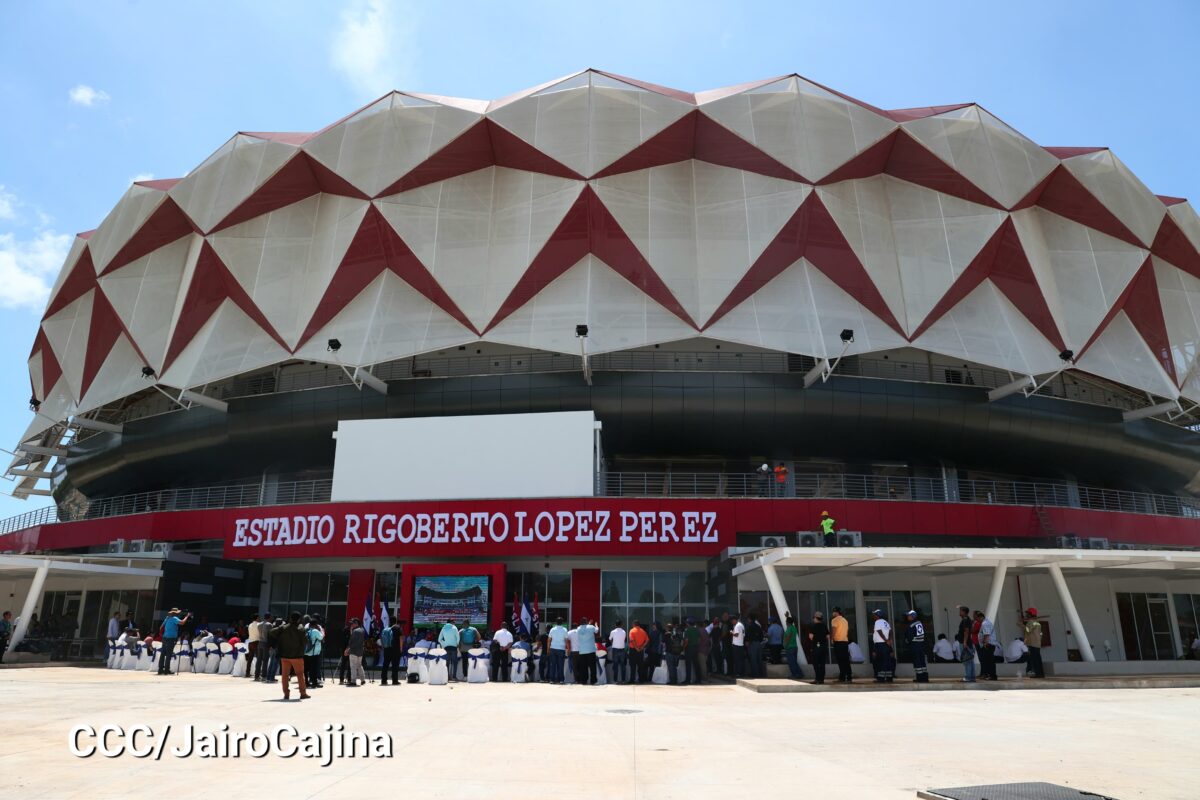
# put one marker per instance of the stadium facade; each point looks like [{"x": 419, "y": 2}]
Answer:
[{"x": 979, "y": 354}]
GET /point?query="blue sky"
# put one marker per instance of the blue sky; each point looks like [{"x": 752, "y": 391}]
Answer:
[{"x": 95, "y": 95}]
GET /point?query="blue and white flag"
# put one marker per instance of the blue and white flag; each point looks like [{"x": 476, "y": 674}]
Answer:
[{"x": 385, "y": 619}]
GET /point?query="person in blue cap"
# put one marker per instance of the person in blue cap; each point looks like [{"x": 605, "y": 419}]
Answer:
[
  {"x": 881, "y": 648},
  {"x": 915, "y": 636}
]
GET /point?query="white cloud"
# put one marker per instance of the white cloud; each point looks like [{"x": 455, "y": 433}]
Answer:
[
  {"x": 28, "y": 268},
  {"x": 371, "y": 49},
  {"x": 141, "y": 176},
  {"x": 84, "y": 95},
  {"x": 8, "y": 204}
]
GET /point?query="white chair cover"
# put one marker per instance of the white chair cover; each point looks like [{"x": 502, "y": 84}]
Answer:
[
  {"x": 661, "y": 674},
  {"x": 133, "y": 651},
  {"x": 117, "y": 652},
  {"x": 146, "y": 662},
  {"x": 239, "y": 660},
  {"x": 436, "y": 669},
  {"x": 112, "y": 654},
  {"x": 187, "y": 657},
  {"x": 158, "y": 654},
  {"x": 176, "y": 658},
  {"x": 417, "y": 665},
  {"x": 212, "y": 663},
  {"x": 225, "y": 666},
  {"x": 478, "y": 665},
  {"x": 520, "y": 666},
  {"x": 601, "y": 667},
  {"x": 681, "y": 670},
  {"x": 199, "y": 655}
]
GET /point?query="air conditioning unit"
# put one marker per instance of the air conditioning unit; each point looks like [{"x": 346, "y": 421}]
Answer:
[
  {"x": 162, "y": 547},
  {"x": 1124, "y": 546},
  {"x": 116, "y": 546},
  {"x": 1068, "y": 542},
  {"x": 810, "y": 539},
  {"x": 140, "y": 546},
  {"x": 772, "y": 541},
  {"x": 849, "y": 539},
  {"x": 1096, "y": 543}
]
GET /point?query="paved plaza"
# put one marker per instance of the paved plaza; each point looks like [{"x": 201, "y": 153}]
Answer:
[{"x": 503, "y": 740}]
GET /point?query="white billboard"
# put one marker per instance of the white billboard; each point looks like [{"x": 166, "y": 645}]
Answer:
[{"x": 457, "y": 458}]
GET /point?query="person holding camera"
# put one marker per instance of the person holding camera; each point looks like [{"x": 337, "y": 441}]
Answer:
[{"x": 170, "y": 635}]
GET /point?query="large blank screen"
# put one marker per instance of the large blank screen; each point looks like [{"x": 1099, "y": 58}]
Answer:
[{"x": 451, "y": 458}]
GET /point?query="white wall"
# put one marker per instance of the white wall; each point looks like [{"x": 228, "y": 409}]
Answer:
[{"x": 450, "y": 458}]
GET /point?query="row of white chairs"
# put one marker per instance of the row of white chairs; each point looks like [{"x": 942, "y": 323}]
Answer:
[
  {"x": 430, "y": 666},
  {"x": 203, "y": 655}
]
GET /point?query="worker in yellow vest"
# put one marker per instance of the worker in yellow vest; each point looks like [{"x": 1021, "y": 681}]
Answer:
[{"x": 827, "y": 524}]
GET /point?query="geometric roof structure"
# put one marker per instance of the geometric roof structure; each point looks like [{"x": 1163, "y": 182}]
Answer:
[{"x": 773, "y": 214}]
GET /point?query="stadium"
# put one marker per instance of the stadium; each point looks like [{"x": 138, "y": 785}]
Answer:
[{"x": 542, "y": 347}]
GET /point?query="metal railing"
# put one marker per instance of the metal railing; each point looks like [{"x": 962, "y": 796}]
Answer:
[{"x": 832, "y": 486}]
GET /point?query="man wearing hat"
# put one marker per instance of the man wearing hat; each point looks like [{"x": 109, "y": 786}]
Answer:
[
  {"x": 170, "y": 637},
  {"x": 1033, "y": 640},
  {"x": 827, "y": 523},
  {"x": 915, "y": 636},
  {"x": 881, "y": 647}
]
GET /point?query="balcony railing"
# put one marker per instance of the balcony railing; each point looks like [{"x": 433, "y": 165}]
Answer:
[{"x": 667, "y": 484}]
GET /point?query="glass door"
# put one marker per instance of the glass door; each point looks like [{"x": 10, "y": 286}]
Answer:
[{"x": 879, "y": 602}]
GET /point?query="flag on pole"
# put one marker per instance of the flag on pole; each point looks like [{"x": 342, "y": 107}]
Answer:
[
  {"x": 526, "y": 618},
  {"x": 516, "y": 614},
  {"x": 537, "y": 619},
  {"x": 385, "y": 619},
  {"x": 366, "y": 620}
]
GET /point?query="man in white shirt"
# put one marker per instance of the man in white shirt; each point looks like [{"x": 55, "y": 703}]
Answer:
[
  {"x": 573, "y": 652},
  {"x": 1017, "y": 652},
  {"x": 253, "y": 639},
  {"x": 616, "y": 653},
  {"x": 502, "y": 641},
  {"x": 114, "y": 630},
  {"x": 881, "y": 648},
  {"x": 943, "y": 651},
  {"x": 738, "y": 639}
]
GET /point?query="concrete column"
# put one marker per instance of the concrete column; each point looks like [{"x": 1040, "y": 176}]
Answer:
[
  {"x": 31, "y": 601},
  {"x": 864, "y": 624},
  {"x": 993, "y": 601},
  {"x": 781, "y": 606},
  {"x": 1064, "y": 594}
]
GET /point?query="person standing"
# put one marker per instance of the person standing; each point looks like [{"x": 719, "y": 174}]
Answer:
[
  {"x": 987, "y": 647},
  {"x": 781, "y": 477},
  {"x": 1033, "y": 640},
  {"x": 966, "y": 647},
  {"x": 355, "y": 648},
  {"x": 391, "y": 640},
  {"x": 448, "y": 639},
  {"x": 502, "y": 642},
  {"x": 705, "y": 655},
  {"x": 840, "y": 634},
  {"x": 818, "y": 635},
  {"x": 754, "y": 647},
  {"x": 6, "y": 627},
  {"x": 616, "y": 653},
  {"x": 253, "y": 640},
  {"x": 737, "y": 641},
  {"x": 673, "y": 650},
  {"x": 289, "y": 640},
  {"x": 261, "y": 629},
  {"x": 763, "y": 478},
  {"x": 573, "y": 652},
  {"x": 639, "y": 640},
  {"x": 775, "y": 641},
  {"x": 169, "y": 638},
  {"x": 791, "y": 648},
  {"x": 468, "y": 638},
  {"x": 587, "y": 653},
  {"x": 881, "y": 648},
  {"x": 691, "y": 653},
  {"x": 827, "y": 529},
  {"x": 314, "y": 643},
  {"x": 558, "y": 652},
  {"x": 914, "y": 634},
  {"x": 114, "y": 630}
]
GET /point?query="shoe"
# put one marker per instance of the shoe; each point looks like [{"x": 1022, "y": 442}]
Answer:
[
  {"x": 306, "y": 697},
  {"x": 964, "y": 680}
]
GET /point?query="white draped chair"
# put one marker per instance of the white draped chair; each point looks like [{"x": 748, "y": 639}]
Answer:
[
  {"x": 146, "y": 659},
  {"x": 478, "y": 665},
  {"x": 436, "y": 670},
  {"x": 417, "y": 665},
  {"x": 199, "y": 655},
  {"x": 661, "y": 674},
  {"x": 133, "y": 651},
  {"x": 240, "y": 651},
  {"x": 158, "y": 655},
  {"x": 225, "y": 665},
  {"x": 112, "y": 653},
  {"x": 520, "y": 666},
  {"x": 601, "y": 667}
]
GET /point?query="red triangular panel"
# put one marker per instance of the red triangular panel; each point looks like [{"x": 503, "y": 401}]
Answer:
[
  {"x": 51, "y": 369},
  {"x": 300, "y": 177},
  {"x": 870, "y": 162},
  {"x": 1167, "y": 200},
  {"x": 967, "y": 281},
  {"x": 912, "y": 161},
  {"x": 469, "y": 151},
  {"x": 1071, "y": 152},
  {"x": 921, "y": 112},
  {"x": 162, "y": 185},
  {"x": 1141, "y": 303},
  {"x": 510, "y": 150},
  {"x": 166, "y": 224},
  {"x": 1172, "y": 245},
  {"x": 105, "y": 328},
  {"x": 718, "y": 145},
  {"x": 212, "y": 283},
  {"x": 1066, "y": 196},
  {"x": 566, "y": 246},
  {"x": 784, "y": 250},
  {"x": 674, "y": 143},
  {"x": 78, "y": 283}
]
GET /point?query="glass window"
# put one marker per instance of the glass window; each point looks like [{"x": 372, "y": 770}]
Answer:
[
  {"x": 666, "y": 588},
  {"x": 279, "y": 587},
  {"x": 613, "y": 587},
  {"x": 558, "y": 587},
  {"x": 339, "y": 586},
  {"x": 535, "y": 586},
  {"x": 645, "y": 614},
  {"x": 641, "y": 587},
  {"x": 299, "y": 588},
  {"x": 691, "y": 587},
  {"x": 318, "y": 587}
]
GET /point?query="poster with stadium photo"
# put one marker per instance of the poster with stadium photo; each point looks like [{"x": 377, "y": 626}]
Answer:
[{"x": 440, "y": 598}]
